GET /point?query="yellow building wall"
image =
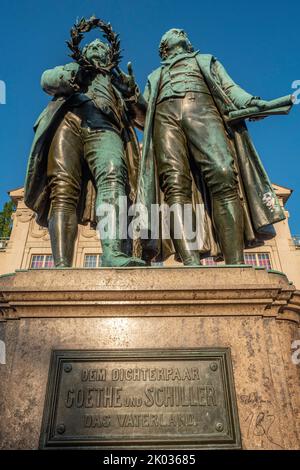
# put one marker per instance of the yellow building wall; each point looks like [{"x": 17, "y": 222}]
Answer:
[{"x": 28, "y": 239}]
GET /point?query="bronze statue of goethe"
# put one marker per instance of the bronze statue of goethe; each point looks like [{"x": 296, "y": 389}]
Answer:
[
  {"x": 195, "y": 153},
  {"x": 84, "y": 139}
]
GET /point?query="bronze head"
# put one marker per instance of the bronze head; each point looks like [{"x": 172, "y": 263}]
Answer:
[
  {"x": 96, "y": 52},
  {"x": 174, "y": 41}
]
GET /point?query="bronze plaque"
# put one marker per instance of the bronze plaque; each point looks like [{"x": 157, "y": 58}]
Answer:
[{"x": 141, "y": 399}]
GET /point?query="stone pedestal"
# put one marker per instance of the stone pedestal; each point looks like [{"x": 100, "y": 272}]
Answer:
[{"x": 251, "y": 311}]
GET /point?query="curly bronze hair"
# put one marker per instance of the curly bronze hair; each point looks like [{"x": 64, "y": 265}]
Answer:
[{"x": 163, "y": 49}]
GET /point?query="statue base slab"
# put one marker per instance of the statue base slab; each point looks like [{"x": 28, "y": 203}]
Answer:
[{"x": 252, "y": 311}]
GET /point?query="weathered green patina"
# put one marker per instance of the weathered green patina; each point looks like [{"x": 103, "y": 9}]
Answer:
[
  {"x": 84, "y": 141},
  {"x": 193, "y": 154}
]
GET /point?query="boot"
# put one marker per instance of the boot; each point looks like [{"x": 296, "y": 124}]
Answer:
[
  {"x": 229, "y": 224},
  {"x": 62, "y": 228},
  {"x": 112, "y": 254},
  {"x": 188, "y": 256}
]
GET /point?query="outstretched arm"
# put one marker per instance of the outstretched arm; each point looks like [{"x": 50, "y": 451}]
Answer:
[
  {"x": 61, "y": 81},
  {"x": 132, "y": 96}
]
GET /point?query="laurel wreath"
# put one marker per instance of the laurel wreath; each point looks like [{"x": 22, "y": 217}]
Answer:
[{"x": 77, "y": 34}]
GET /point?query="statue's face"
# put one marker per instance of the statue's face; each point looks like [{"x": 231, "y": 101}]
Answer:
[
  {"x": 96, "y": 51},
  {"x": 175, "y": 38}
]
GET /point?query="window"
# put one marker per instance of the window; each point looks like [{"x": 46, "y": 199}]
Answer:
[
  {"x": 264, "y": 260},
  {"x": 258, "y": 259},
  {"x": 49, "y": 262},
  {"x": 3, "y": 243},
  {"x": 296, "y": 240},
  {"x": 92, "y": 261},
  {"x": 250, "y": 258},
  {"x": 209, "y": 261},
  {"x": 254, "y": 259},
  {"x": 41, "y": 261}
]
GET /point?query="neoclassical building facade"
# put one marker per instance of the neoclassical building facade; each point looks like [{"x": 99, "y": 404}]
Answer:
[{"x": 29, "y": 244}]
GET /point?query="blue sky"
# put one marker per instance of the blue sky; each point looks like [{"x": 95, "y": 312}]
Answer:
[{"x": 257, "y": 41}]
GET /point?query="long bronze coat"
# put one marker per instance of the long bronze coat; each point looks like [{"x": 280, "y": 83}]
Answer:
[
  {"x": 36, "y": 193},
  {"x": 260, "y": 204}
]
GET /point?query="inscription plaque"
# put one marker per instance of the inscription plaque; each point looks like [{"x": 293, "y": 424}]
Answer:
[{"x": 141, "y": 399}]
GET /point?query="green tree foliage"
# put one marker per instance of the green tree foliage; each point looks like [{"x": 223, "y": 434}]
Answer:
[{"x": 5, "y": 219}]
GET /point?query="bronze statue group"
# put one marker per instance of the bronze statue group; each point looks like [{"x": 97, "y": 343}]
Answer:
[{"x": 85, "y": 155}]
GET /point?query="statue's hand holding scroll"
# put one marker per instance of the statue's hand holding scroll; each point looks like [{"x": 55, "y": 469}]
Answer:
[{"x": 261, "y": 104}]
